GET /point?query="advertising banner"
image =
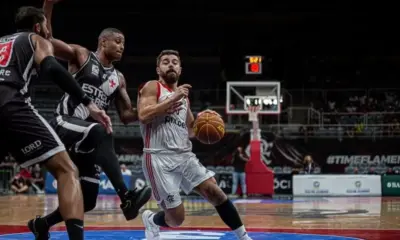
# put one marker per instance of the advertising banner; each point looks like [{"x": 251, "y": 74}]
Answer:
[
  {"x": 330, "y": 154},
  {"x": 391, "y": 185},
  {"x": 337, "y": 185},
  {"x": 105, "y": 186},
  {"x": 283, "y": 183}
]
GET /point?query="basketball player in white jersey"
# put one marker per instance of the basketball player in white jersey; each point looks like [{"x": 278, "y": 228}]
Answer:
[{"x": 166, "y": 123}]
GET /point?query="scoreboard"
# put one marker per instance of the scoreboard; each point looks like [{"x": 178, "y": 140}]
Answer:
[{"x": 253, "y": 64}]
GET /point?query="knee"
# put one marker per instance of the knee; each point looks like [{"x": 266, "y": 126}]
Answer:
[
  {"x": 61, "y": 164},
  {"x": 213, "y": 193},
  {"x": 98, "y": 134}
]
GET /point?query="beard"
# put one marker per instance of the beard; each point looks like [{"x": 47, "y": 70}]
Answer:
[
  {"x": 170, "y": 76},
  {"x": 42, "y": 33}
]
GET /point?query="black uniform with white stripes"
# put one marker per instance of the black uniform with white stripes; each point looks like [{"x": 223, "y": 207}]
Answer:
[
  {"x": 23, "y": 132},
  {"x": 73, "y": 123}
]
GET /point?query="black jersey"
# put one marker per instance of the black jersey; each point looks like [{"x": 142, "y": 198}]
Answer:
[
  {"x": 17, "y": 65},
  {"x": 98, "y": 82}
]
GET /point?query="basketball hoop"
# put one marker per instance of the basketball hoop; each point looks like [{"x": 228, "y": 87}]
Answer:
[{"x": 253, "y": 113}]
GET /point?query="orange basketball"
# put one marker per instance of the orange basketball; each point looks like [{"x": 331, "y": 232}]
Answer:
[{"x": 209, "y": 128}]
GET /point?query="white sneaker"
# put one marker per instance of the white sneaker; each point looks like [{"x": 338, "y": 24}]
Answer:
[
  {"x": 246, "y": 237},
  {"x": 152, "y": 231}
]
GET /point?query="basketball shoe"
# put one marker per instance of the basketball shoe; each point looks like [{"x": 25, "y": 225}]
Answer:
[
  {"x": 134, "y": 200},
  {"x": 152, "y": 231}
]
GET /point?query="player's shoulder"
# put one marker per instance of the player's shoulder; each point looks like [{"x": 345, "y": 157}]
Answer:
[
  {"x": 119, "y": 74},
  {"x": 149, "y": 87},
  {"x": 152, "y": 84}
]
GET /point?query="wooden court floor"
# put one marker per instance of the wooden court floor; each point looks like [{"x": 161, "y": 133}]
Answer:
[{"x": 362, "y": 218}]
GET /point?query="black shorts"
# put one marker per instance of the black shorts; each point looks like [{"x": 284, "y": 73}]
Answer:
[
  {"x": 77, "y": 136},
  {"x": 26, "y": 134}
]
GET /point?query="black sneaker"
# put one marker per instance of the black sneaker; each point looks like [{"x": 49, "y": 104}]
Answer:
[
  {"x": 39, "y": 228},
  {"x": 134, "y": 200}
]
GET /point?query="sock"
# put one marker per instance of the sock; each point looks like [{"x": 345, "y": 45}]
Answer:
[
  {"x": 108, "y": 161},
  {"x": 229, "y": 215},
  {"x": 159, "y": 219},
  {"x": 53, "y": 218},
  {"x": 240, "y": 232},
  {"x": 74, "y": 229}
]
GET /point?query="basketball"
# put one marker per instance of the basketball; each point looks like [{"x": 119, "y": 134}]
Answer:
[{"x": 209, "y": 128}]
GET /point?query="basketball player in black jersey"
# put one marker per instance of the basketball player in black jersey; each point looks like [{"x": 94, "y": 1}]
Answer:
[
  {"x": 23, "y": 131},
  {"x": 91, "y": 148}
]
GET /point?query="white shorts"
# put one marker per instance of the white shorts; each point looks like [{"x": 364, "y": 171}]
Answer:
[{"x": 166, "y": 177}]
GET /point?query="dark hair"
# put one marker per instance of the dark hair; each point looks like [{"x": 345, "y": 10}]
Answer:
[
  {"x": 167, "y": 52},
  {"x": 27, "y": 17},
  {"x": 108, "y": 31}
]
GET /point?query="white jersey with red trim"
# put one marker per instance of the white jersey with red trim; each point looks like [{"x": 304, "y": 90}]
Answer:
[{"x": 167, "y": 133}]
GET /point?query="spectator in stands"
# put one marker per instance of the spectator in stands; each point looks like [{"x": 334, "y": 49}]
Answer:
[
  {"x": 19, "y": 184},
  {"x": 308, "y": 165},
  {"x": 239, "y": 163},
  {"x": 7, "y": 171},
  {"x": 125, "y": 170},
  {"x": 389, "y": 171},
  {"x": 37, "y": 178},
  {"x": 372, "y": 171}
]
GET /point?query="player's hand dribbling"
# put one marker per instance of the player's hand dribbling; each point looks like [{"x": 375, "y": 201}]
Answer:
[
  {"x": 100, "y": 116},
  {"x": 181, "y": 92}
]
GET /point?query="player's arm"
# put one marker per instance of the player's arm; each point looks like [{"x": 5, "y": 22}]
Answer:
[
  {"x": 49, "y": 66},
  {"x": 190, "y": 122},
  {"x": 148, "y": 106},
  {"x": 72, "y": 53},
  {"x": 123, "y": 103}
]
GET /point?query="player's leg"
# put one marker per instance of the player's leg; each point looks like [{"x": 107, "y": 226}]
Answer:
[
  {"x": 93, "y": 138},
  {"x": 165, "y": 186},
  {"x": 243, "y": 185},
  {"x": 106, "y": 158},
  {"x": 89, "y": 179},
  {"x": 32, "y": 140},
  {"x": 197, "y": 177},
  {"x": 234, "y": 182}
]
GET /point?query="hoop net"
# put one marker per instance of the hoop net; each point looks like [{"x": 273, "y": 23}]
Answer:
[{"x": 253, "y": 113}]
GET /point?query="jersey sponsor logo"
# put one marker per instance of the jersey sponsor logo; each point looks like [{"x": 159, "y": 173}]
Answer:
[
  {"x": 6, "y": 50},
  {"x": 97, "y": 95},
  {"x": 4, "y": 73},
  {"x": 169, "y": 119},
  {"x": 32, "y": 147}
]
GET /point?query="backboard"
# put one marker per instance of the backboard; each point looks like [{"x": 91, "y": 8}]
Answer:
[{"x": 266, "y": 94}]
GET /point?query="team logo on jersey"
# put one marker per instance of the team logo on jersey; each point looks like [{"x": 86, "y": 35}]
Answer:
[
  {"x": 111, "y": 82},
  {"x": 6, "y": 49},
  {"x": 95, "y": 70}
]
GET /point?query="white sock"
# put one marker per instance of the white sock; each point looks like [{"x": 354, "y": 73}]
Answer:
[
  {"x": 240, "y": 232},
  {"x": 151, "y": 219}
]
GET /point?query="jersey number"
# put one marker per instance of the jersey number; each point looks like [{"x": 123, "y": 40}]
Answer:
[{"x": 6, "y": 53}]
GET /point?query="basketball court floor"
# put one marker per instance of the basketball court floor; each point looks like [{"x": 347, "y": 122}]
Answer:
[{"x": 299, "y": 218}]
